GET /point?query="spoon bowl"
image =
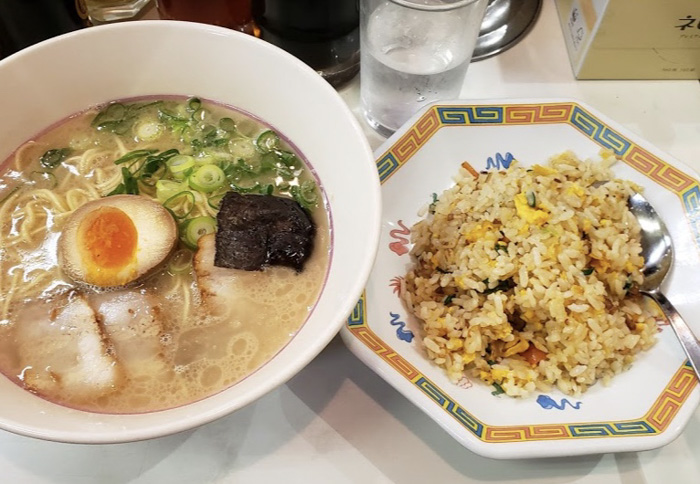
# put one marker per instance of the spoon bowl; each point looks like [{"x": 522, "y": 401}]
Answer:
[{"x": 657, "y": 250}]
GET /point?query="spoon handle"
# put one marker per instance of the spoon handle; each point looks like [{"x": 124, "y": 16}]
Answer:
[{"x": 688, "y": 341}]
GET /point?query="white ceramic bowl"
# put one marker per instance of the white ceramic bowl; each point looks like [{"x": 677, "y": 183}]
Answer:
[{"x": 49, "y": 81}]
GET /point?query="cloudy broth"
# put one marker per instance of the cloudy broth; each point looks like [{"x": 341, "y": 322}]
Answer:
[{"x": 189, "y": 330}]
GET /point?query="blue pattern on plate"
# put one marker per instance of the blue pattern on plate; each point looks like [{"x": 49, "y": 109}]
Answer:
[{"x": 401, "y": 333}]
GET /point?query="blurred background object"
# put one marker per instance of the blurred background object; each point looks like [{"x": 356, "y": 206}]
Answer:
[
  {"x": 632, "y": 39},
  {"x": 506, "y": 22},
  {"x": 322, "y": 33},
  {"x": 26, "y": 22},
  {"x": 233, "y": 14},
  {"x": 414, "y": 52},
  {"x": 102, "y": 11}
]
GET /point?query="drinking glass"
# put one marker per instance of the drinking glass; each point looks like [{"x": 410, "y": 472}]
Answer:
[
  {"x": 101, "y": 11},
  {"x": 413, "y": 52}
]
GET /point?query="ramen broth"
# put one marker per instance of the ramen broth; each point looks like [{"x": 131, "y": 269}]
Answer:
[{"x": 178, "y": 343}]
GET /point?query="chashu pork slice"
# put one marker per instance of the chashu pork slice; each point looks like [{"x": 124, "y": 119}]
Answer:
[
  {"x": 63, "y": 350},
  {"x": 132, "y": 321},
  {"x": 235, "y": 293},
  {"x": 222, "y": 290}
]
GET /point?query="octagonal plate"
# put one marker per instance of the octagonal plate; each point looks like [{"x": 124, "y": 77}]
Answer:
[{"x": 643, "y": 408}]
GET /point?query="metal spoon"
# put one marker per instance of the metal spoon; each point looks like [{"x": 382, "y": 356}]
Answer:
[{"x": 657, "y": 250}]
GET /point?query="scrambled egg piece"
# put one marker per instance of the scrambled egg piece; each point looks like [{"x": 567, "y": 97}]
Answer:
[
  {"x": 543, "y": 170},
  {"x": 468, "y": 357},
  {"x": 530, "y": 214},
  {"x": 479, "y": 232},
  {"x": 576, "y": 189}
]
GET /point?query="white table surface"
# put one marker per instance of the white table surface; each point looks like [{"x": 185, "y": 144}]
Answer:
[{"x": 338, "y": 422}]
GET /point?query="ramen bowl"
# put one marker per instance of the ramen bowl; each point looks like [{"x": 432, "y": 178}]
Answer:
[{"x": 46, "y": 83}]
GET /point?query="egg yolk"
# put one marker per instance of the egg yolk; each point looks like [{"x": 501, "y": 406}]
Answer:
[{"x": 108, "y": 240}]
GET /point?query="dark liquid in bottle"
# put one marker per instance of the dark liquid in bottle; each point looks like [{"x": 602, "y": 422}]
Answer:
[
  {"x": 322, "y": 33},
  {"x": 233, "y": 14},
  {"x": 26, "y": 22}
]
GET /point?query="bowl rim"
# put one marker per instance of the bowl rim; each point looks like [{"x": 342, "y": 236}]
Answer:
[{"x": 203, "y": 411}]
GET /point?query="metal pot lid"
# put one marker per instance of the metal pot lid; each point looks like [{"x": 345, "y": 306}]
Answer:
[{"x": 505, "y": 23}]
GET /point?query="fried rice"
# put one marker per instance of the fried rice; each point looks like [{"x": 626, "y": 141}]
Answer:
[{"x": 527, "y": 278}]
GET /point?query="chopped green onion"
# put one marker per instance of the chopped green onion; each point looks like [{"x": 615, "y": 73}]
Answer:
[
  {"x": 207, "y": 178},
  {"x": 52, "y": 158},
  {"x": 193, "y": 104},
  {"x": 209, "y": 131},
  {"x": 531, "y": 200},
  {"x": 587, "y": 271},
  {"x": 305, "y": 194},
  {"x": 498, "y": 389},
  {"x": 257, "y": 188},
  {"x": 197, "y": 227},
  {"x": 267, "y": 141},
  {"x": 179, "y": 166},
  {"x": 269, "y": 162},
  {"x": 149, "y": 130},
  {"x": 227, "y": 124},
  {"x": 133, "y": 155},
  {"x": 167, "y": 188},
  {"x": 129, "y": 185},
  {"x": 113, "y": 112},
  {"x": 181, "y": 204},
  {"x": 501, "y": 286},
  {"x": 431, "y": 207},
  {"x": 215, "y": 201},
  {"x": 289, "y": 159},
  {"x": 180, "y": 262},
  {"x": 173, "y": 121},
  {"x": 448, "y": 299}
]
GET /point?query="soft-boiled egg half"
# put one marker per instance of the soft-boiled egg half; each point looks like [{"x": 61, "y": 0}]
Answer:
[{"x": 116, "y": 240}]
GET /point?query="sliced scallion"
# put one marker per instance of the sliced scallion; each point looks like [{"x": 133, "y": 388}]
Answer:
[
  {"x": 167, "y": 188},
  {"x": 207, "y": 178},
  {"x": 193, "y": 104},
  {"x": 180, "y": 165},
  {"x": 133, "y": 155},
  {"x": 180, "y": 262},
  {"x": 149, "y": 130},
  {"x": 197, "y": 227},
  {"x": 52, "y": 158},
  {"x": 305, "y": 194},
  {"x": 267, "y": 141},
  {"x": 227, "y": 124},
  {"x": 180, "y": 204},
  {"x": 215, "y": 201}
]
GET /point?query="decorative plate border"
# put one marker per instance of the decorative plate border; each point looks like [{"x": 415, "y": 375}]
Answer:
[{"x": 664, "y": 409}]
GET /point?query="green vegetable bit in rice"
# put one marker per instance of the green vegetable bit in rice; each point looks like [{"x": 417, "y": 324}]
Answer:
[{"x": 526, "y": 279}]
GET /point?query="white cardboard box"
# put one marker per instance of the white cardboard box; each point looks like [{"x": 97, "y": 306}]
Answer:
[{"x": 632, "y": 39}]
